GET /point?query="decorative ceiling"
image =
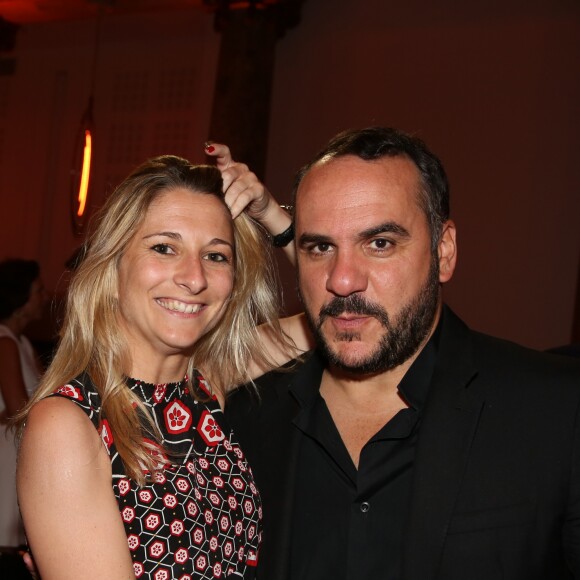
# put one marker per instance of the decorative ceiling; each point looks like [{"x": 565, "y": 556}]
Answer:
[{"x": 31, "y": 11}]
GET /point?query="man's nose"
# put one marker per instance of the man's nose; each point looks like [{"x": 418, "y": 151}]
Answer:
[{"x": 347, "y": 275}]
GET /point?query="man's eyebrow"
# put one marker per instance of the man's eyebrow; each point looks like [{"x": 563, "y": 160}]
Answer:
[
  {"x": 386, "y": 228},
  {"x": 313, "y": 239}
]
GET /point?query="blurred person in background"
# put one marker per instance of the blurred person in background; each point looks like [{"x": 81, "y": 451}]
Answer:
[{"x": 22, "y": 299}]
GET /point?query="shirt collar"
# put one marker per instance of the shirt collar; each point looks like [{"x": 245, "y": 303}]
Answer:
[
  {"x": 305, "y": 383},
  {"x": 414, "y": 386}
]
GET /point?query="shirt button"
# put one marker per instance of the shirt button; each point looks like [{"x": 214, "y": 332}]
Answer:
[{"x": 365, "y": 506}]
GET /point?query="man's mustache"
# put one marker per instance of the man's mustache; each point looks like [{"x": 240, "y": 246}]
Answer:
[{"x": 353, "y": 304}]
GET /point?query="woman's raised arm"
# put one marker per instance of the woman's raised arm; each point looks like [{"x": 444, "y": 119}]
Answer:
[{"x": 244, "y": 191}]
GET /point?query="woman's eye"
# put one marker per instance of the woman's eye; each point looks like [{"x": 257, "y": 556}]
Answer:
[
  {"x": 162, "y": 249},
  {"x": 216, "y": 257}
]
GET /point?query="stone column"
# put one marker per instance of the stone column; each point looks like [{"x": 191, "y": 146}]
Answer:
[
  {"x": 241, "y": 108},
  {"x": 576, "y": 321}
]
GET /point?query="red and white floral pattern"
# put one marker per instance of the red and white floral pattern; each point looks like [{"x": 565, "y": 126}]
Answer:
[
  {"x": 201, "y": 517},
  {"x": 177, "y": 417},
  {"x": 209, "y": 429},
  {"x": 70, "y": 391}
]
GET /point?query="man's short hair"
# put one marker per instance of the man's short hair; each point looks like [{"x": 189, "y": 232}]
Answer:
[{"x": 376, "y": 142}]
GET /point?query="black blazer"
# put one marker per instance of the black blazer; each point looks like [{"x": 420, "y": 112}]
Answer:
[{"x": 496, "y": 492}]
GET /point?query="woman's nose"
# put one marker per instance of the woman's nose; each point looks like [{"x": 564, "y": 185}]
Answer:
[{"x": 191, "y": 275}]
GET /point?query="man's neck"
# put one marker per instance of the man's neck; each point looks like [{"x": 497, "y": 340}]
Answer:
[
  {"x": 360, "y": 405},
  {"x": 360, "y": 408},
  {"x": 371, "y": 387}
]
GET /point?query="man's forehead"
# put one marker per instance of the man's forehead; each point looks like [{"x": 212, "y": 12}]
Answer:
[{"x": 351, "y": 181}]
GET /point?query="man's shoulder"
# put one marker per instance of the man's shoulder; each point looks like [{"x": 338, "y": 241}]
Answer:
[
  {"x": 269, "y": 394},
  {"x": 498, "y": 357},
  {"x": 500, "y": 352},
  {"x": 276, "y": 382},
  {"x": 261, "y": 415},
  {"x": 264, "y": 387}
]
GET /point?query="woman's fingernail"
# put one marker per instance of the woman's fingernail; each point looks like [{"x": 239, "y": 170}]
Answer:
[{"x": 209, "y": 147}]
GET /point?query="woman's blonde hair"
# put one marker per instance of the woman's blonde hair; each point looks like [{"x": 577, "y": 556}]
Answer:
[{"x": 91, "y": 339}]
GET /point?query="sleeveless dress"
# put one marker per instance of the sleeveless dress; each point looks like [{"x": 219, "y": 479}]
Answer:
[
  {"x": 11, "y": 528},
  {"x": 201, "y": 517}
]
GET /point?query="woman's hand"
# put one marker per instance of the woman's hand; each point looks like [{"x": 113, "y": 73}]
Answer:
[{"x": 244, "y": 191}]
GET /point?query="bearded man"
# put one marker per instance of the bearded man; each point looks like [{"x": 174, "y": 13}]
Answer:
[{"x": 404, "y": 445}]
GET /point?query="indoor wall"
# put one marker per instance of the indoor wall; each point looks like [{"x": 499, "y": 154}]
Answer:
[{"x": 493, "y": 90}]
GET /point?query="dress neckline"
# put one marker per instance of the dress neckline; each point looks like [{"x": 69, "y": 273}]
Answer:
[
  {"x": 158, "y": 393},
  {"x": 132, "y": 382}
]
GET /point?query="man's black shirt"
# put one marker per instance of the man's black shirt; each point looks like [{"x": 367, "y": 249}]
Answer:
[
  {"x": 495, "y": 493},
  {"x": 349, "y": 523}
]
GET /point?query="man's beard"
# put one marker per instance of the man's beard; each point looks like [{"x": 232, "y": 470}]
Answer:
[{"x": 403, "y": 334}]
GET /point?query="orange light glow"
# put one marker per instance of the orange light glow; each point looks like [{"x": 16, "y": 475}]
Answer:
[{"x": 85, "y": 174}]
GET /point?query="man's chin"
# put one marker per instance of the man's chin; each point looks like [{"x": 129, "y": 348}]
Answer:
[{"x": 353, "y": 360}]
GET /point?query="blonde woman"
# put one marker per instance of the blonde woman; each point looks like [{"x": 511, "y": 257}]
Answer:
[{"x": 161, "y": 320}]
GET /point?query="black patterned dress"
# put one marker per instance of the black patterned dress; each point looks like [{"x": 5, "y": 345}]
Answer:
[{"x": 201, "y": 517}]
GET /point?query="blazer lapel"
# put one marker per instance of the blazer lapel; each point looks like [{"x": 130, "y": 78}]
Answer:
[
  {"x": 283, "y": 471},
  {"x": 448, "y": 426},
  {"x": 275, "y": 460}
]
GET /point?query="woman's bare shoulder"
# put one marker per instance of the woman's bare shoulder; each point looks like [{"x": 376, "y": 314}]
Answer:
[
  {"x": 58, "y": 435},
  {"x": 64, "y": 482}
]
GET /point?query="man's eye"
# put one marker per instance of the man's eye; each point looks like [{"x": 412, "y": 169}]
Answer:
[
  {"x": 380, "y": 244},
  {"x": 320, "y": 248},
  {"x": 162, "y": 249}
]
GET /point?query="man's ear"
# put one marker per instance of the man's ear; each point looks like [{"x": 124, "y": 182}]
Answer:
[{"x": 447, "y": 251}]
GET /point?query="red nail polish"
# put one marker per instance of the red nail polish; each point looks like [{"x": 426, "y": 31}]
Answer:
[{"x": 210, "y": 148}]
